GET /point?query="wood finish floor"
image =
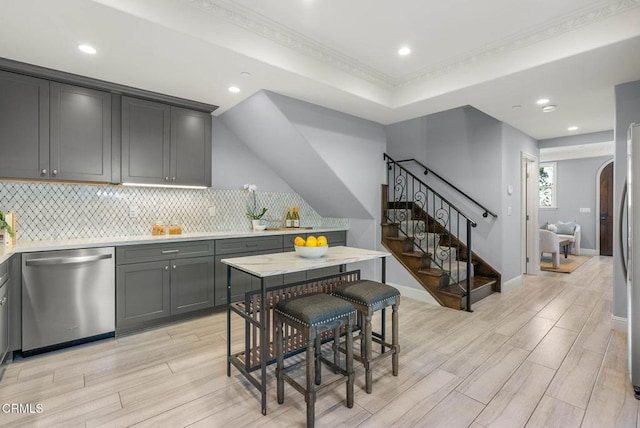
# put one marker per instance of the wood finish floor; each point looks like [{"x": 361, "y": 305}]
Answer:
[{"x": 541, "y": 355}]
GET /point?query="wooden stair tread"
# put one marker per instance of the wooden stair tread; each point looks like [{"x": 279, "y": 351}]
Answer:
[{"x": 415, "y": 254}]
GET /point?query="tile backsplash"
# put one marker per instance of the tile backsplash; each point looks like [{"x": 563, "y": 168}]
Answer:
[{"x": 66, "y": 211}]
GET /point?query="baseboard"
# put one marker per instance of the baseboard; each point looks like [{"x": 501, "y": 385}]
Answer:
[
  {"x": 415, "y": 294},
  {"x": 511, "y": 284},
  {"x": 588, "y": 252},
  {"x": 619, "y": 323}
]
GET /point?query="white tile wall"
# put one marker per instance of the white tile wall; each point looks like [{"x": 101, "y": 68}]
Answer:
[{"x": 60, "y": 210}]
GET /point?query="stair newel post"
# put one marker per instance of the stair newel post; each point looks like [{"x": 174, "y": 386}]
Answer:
[{"x": 469, "y": 227}]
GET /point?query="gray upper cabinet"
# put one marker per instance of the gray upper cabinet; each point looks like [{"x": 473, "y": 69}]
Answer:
[
  {"x": 146, "y": 141},
  {"x": 24, "y": 125},
  {"x": 80, "y": 134},
  {"x": 50, "y": 130},
  {"x": 190, "y": 147},
  {"x": 163, "y": 144}
]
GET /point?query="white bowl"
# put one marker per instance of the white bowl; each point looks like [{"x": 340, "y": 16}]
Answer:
[{"x": 311, "y": 252}]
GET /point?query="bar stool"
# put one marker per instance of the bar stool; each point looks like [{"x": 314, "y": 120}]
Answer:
[
  {"x": 368, "y": 297},
  {"x": 312, "y": 314}
]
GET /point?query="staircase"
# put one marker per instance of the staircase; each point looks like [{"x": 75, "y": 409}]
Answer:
[{"x": 431, "y": 238}]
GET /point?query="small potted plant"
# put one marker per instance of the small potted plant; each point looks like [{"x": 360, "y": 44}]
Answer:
[
  {"x": 253, "y": 213},
  {"x": 6, "y": 232}
]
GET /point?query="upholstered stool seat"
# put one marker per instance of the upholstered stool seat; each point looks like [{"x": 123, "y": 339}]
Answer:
[
  {"x": 368, "y": 297},
  {"x": 312, "y": 314}
]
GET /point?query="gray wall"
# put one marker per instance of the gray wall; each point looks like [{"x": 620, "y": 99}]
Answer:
[
  {"x": 234, "y": 164},
  {"x": 627, "y": 112},
  {"x": 514, "y": 144},
  {"x": 576, "y": 188}
]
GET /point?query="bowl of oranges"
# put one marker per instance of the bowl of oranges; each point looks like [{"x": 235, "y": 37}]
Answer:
[{"x": 312, "y": 247}]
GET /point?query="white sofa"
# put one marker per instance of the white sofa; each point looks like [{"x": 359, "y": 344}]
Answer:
[
  {"x": 574, "y": 239},
  {"x": 550, "y": 243}
]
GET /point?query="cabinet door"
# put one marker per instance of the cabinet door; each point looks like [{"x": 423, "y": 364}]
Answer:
[
  {"x": 145, "y": 141},
  {"x": 80, "y": 133},
  {"x": 190, "y": 147},
  {"x": 191, "y": 284},
  {"x": 4, "y": 319},
  {"x": 24, "y": 126},
  {"x": 142, "y": 292}
]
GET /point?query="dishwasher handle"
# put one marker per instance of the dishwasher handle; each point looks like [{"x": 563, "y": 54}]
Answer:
[{"x": 66, "y": 260}]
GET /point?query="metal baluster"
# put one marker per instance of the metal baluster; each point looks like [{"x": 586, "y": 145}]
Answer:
[{"x": 469, "y": 265}]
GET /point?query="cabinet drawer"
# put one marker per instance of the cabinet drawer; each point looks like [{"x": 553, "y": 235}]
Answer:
[
  {"x": 243, "y": 245},
  {"x": 336, "y": 238},
  {"x": 4, "y": 272},
  {"x": 287, "y": 243},
  {"x": 164, "y": 251}
]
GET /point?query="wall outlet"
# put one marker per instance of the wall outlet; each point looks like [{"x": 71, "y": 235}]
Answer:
[
  {"x": 585, "y": 210},
  {"x": 133, "y": 211},
  {"x": 212, "y": 211}
]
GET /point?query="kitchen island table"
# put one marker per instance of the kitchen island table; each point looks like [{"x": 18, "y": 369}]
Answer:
[{"x": 256, "y": 309}]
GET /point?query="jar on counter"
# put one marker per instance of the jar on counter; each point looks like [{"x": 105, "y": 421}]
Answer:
[
  {"x": 158, "y": 228},
  {"x": 175, "y": 228}
]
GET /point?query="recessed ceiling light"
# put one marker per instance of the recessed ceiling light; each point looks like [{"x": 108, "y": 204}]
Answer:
[
  {"x": 234, "y": 89},
  {"x": 88, "y": 49},
  {"x": 572, "y": 128},
  {"x": 549, "y": 108},
  {"x": 542, "y": 101},
  {"x": 404, "y": 51}
]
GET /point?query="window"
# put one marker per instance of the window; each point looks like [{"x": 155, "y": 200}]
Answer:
[{"x": 548, "y": 180}]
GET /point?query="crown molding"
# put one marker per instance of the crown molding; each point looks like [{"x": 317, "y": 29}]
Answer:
[{"x": 284, "y": 36}]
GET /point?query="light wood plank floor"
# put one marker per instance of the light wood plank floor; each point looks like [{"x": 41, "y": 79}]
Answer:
[{"x": 541, "y": 355}]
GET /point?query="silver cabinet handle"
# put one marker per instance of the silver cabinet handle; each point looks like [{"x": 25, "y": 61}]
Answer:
[
  {"x": 173, "y": 179},
  {"x": 170, "y": 251},
  {"x": 175, "y": 267},
  {"x": 166, "y": 268},
  {"x": 166, "y": 179},
  {"x": 54, "y": 172},
  {"x": 3, "y": 301},
  {"x": 43, "y": 171},
  {"x": 66, "y": 260}
]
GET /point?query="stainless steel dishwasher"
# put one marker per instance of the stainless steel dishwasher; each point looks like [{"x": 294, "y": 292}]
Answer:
[{"x": 67, "y": 295}]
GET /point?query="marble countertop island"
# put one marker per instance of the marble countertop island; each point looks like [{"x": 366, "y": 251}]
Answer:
[{"x": 280, "y": 263}]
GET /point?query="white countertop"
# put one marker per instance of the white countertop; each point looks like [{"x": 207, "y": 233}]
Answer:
[
  {"x": 279, "y": 263},
  {"x": 70, "y": 244}
]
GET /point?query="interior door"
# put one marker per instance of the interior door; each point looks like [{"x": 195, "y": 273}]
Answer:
[{"x": 606, "y": 211}]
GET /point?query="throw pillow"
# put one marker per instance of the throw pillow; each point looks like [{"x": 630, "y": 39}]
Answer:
[
  {"x": 566, "y": 228},
  {"x": 552, "y": 228}
]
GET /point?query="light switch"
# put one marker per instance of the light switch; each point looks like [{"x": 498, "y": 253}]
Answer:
[
  {"x": 133, "y": 211},
  {"x": 509, "y": 210},
  {"x": 585, "y": 210},
  {"x": 212, "y": 211}
]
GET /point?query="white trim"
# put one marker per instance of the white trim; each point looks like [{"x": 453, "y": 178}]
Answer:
[
  {"x": 533, "y": 267},
  {"x": 588, "y": 252},
  {"x": 578, "y": 151},
  {"x": 414, "y": 293},
  {"x": 619, "y": 324},
  {"x": 511, "y": 284},
  {"x": 597, "y": 210}
]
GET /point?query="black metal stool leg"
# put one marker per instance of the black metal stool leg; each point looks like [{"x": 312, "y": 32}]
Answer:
[
  {"x": 279, "y": 361},
  {"x": 394, "y": 339},
  {"x": 317, "y": 362},
  {"x": 367, "y": 343},
  {"x": 310, "y": 393},
  {"x": 351, "y": 377}
]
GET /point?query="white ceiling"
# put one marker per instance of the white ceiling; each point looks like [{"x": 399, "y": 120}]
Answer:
[{"x": 491, "y": 54}]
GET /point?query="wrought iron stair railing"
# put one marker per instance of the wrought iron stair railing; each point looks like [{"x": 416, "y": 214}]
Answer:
[{"x": 436, "y": 226}]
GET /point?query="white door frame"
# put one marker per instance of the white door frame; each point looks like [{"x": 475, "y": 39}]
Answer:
[{"x": 529, "y": 229}]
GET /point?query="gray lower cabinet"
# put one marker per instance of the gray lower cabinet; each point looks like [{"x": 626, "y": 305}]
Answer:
[
  {"x": 157, "y": 281},
  {"x": 142, "y": 293},
  {"x": 164, "y": 144},
  {"x": 4, "y": 309},
  {"x": 242, "y": 282}
]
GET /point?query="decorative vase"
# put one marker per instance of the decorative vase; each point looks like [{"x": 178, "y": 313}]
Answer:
[{"x": 258, "y": 225}]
